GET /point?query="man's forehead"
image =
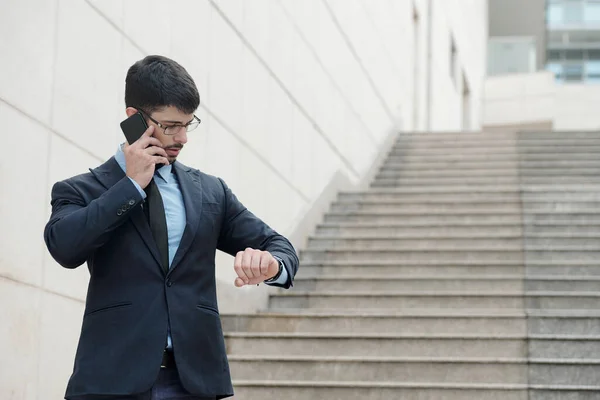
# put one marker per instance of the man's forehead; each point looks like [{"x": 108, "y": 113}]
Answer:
[{"x": 172, "y": 114}]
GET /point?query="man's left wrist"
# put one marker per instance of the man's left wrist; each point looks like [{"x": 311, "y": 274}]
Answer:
[{"x": 278, "y": 274}]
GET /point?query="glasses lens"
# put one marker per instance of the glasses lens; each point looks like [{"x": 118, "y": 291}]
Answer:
[
  {"x": 193, "y": 125},
  {"x": 174, "y": 130}
]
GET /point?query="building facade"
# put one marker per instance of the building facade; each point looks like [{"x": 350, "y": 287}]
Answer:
[
  {"x": 573, "y": 49},
  {"x": 298, "y": 98}
]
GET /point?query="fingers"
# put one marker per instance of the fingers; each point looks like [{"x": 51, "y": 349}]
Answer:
[
  {"x": 237, "y": 265},
  {"x": 155, "y": 151},
  {"x": 239, "y": 282},
  {"x": 160, "y": 160},
  {"x": 250, "y": 263},
  {"x": 146, "y": 142},
  {"x": 265, "y": 261},
  {"x": 252, "y": 266}
]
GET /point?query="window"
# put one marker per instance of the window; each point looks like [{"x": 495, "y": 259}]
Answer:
[
  {"x": 554, "y": 13},
  {"x": 573, "y": 72},
  {"x": 573, "y": 11},
  {"x": 592, "y": 71},
  {"x": 453, "y": 60},
  {"x": 592, "y": 11},
  {"x": 557, "y": 69},
  {"x": 576, "y": 55},
  {"x": 554, "y": 55}
]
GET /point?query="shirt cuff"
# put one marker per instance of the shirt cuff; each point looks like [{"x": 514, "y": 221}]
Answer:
[{"x": 139, "y": 188}]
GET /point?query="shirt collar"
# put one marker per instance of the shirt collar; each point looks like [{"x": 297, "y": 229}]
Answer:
[{"x": 166, "y": 172}]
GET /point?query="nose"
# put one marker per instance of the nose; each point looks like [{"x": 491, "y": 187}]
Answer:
[{"x": 181, "y": 137}]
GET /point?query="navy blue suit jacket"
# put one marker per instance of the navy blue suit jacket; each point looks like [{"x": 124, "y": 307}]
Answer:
[{"x": 97, "y": 218}]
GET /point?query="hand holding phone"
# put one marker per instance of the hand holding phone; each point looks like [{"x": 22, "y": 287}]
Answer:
[{"x": 143, "y": 152}]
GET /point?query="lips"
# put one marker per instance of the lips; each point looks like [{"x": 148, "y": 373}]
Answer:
[{"x": 173, "y": 152}]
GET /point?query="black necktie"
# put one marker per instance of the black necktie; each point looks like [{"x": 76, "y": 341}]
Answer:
[{"x": 155, "y": 213}]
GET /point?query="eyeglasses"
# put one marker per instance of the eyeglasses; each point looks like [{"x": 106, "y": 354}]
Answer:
[{"x": 172, "y": 130}]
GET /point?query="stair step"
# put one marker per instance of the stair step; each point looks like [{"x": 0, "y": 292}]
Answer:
[
  {"x": 421, "y": 158},
  {"x": 564, "y": 392},
  {"x": 478, "y": 283},
  {"x": 424, "y": 198},
  {"x": 413, "y": 299},
  {"x": 502, "y": 143},
  {"x": 397, "y": 369},
  {"x": 361, "y": 390},
  {"x": 438, "y": 243},
  {"x": 563, "y": 284},
  {"x": 521, "y": 148},
  {"x": 368, "y": 345},
  {"x": 488, "y": 173},
  {"x": 448, "y": 217},
  {"x": 481, "y": 253},
  {"x": 564, "y": 372},
  {"x": 413, "y": 269},
  {"x": 564, "y": 346},
  {"x": 478, "y": 207},
  {"x": 385, "y": 283},
  {"x": 492, "y": 322},
  {"x": 436, "y": 299},
  {"x": 484, "y": 181},
  {"x": 481, "y": 164},
  {"x": 502, "y": 189},
  {"x": 364, "y": 231},
  {"x": 564, "y": 322},
  {"x": 464, "y": 180}
]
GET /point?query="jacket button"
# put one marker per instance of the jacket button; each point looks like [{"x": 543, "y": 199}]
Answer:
[
  {"x": 131, "y": 202},
  {"x": 119, "y": 213},
  {"x": 169, "y": 283}
]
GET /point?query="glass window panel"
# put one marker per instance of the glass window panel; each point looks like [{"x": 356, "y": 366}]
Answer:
[
  {"x": 592, "y": 11},
  {"x": 554, "y": 67},
  {"x": 573, "y": 72},
  {"x": 574, "y": 55},
  {"x": 592, "y": 68},
  {"x": 573, "y": 11},
  {"x": 554, "y": 55},
  {"x": 594, "y": 55},
  {"x": 555, "y": 14}
]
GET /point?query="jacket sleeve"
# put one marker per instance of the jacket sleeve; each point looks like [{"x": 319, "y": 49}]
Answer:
[
  {"x": 241, "y": 229},
  {"x": 76, "y": 229}
]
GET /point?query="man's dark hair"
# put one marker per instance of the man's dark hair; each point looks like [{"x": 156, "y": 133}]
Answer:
[{"x": 156, "y": 82}]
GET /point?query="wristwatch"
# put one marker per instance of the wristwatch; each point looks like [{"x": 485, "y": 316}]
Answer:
[{"x": 273, "y": 279}]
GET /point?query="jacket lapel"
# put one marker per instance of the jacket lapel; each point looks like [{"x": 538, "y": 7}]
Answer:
[
  {"x": 108, "y": 174},
  {"x": 191, "y": 190}
]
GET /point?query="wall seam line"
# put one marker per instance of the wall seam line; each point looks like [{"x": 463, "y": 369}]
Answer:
[
  {"x": 327, "y": 73},
  {"x": 314, "y": 123},
  {"x": 49, "y": 128},
  {"x": 358, "y": 60}
]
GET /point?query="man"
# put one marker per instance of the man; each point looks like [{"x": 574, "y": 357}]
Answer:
[{"x": 148, "y": 228}]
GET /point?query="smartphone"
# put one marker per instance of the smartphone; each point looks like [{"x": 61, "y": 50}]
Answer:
[{"x": 134, "y": 127}]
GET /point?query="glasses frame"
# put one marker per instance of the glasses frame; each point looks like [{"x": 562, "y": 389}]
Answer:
[{"x": 165, "y": 127}]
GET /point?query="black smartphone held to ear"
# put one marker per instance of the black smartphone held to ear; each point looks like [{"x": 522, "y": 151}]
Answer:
[{"x": 134, "y": 127}]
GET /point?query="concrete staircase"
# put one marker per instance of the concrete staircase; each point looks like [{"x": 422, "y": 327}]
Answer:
[{"x": 469, "y": 270}]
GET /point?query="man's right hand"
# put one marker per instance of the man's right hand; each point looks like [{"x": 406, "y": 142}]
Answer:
[{"x": 142, "y": 156}]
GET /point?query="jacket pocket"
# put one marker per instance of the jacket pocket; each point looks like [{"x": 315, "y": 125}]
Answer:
[
  {"x": 208, "y": 309},
  {"x": 109, "y": 307}
]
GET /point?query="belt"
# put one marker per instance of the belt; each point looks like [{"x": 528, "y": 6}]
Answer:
[{"x": 168, "y": 359}]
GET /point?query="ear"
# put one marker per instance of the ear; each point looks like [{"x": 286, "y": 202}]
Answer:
[{"x": 130, "y": 111}]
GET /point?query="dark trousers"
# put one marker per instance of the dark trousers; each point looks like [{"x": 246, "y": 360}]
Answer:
[{"x": 167, "y": 387}]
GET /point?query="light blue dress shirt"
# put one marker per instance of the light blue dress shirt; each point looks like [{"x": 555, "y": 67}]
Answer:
[{"x": 168, "y": 186}]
